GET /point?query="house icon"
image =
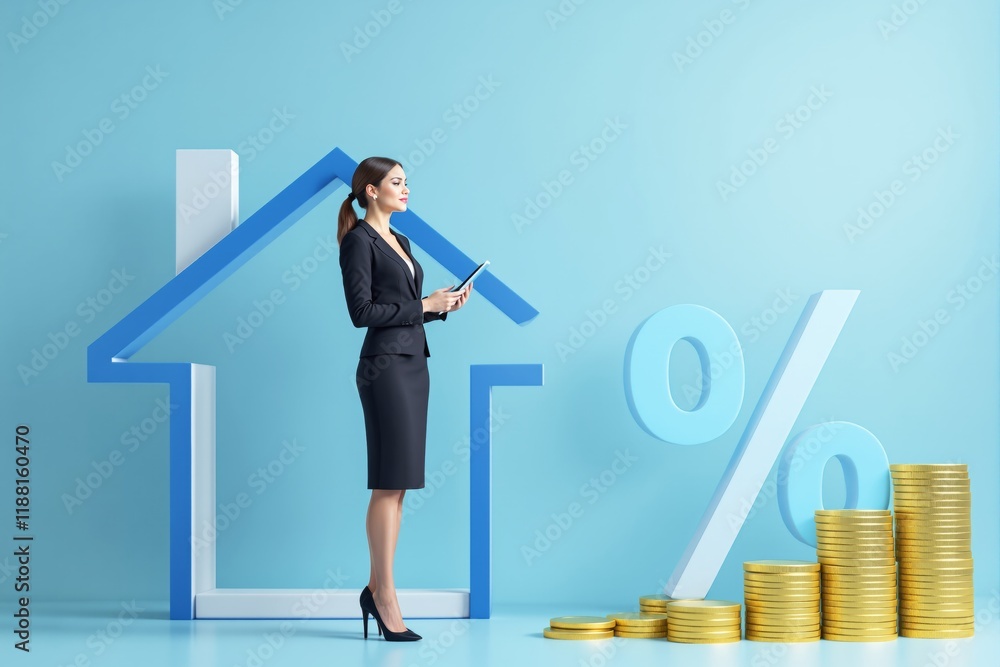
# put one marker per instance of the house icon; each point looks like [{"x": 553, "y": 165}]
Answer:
[{"x": 193, "y": 591}]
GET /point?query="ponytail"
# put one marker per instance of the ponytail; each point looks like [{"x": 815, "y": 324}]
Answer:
[{"x": 347, "y": 219}]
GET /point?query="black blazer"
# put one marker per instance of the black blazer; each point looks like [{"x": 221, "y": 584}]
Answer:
[{"x": 382, "y": 295}]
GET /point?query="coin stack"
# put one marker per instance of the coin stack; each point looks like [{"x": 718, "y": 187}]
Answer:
[
  {"x": 703, "y": 621},
  {"x": 782, "y": 600},
  {"x": 639, "y": 625},
  {"x": 858, "y": 570},
  {"x": 580, "y": 627},
  {"x": 656, "y": 603},
  {"x": 932, "y": 504}
]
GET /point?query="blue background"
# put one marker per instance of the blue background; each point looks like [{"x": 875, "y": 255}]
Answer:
[{"x": 555, "y": 86}]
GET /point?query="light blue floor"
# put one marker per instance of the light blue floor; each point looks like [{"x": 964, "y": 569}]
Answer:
[{"x": 96, "y": 634}]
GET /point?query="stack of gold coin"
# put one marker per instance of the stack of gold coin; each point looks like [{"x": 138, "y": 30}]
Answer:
[
  {"x": 703, "y": 621},
  {"x": 858, "y": 570},
  {"x": 580, "y": 627},
  {"x": 932, "y": 504},
  {"x": 782, "y": 600},
  {"x": 639, "y": 625},
  {"x": 656, "y": 603}
]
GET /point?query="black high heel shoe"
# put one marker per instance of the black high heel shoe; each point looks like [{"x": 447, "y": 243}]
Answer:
[{"x": 368, "y": 606}]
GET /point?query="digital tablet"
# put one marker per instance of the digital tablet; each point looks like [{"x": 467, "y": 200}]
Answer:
[{"x": 472, "y": 275}]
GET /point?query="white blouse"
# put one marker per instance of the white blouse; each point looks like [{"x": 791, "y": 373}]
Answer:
[{"x": 410, "y": 264}]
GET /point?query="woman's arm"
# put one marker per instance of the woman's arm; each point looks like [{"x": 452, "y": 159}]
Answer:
[{"x": 356, "y": 267}]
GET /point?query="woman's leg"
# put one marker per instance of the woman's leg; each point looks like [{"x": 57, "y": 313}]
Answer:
[
  {"x": 382, "y": 524},
  {"x": 372, "y": 577}
]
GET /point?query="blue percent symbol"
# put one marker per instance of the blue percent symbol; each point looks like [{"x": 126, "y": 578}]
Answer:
[{"x": 647, "y": 389}]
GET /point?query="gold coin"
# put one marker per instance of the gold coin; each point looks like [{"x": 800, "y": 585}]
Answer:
[
  {"x": 780, "y": 638},
  {"x": 928, "y": 467},
  {"x": 829, "y": 636},
  {"x": 658, "y": 599},
  {"x": 559, "y": 633},
  {"x": 858, "y": 569},
  {"x": 641, "y": 635},
  {"x": 868, "y": 612},
  {"x": 640, "y": 631},
  {"x": 861, "y": 596},
  {"x": 967, "y": 625},
  {"x": 782, "y": 623},
  {"x": 927, "y": 481},
  {"x": 757, "y": 604},
  {"x": 688, "y": 631},
  {"x": 935, "y": 586},
  {"x": 796, "y": 579},
  {"x": 934, "y": 540},
  {"x": 766, "y": 586},
  {"x": 812, "y": 626},
  {"x": 709, "y": 606},
  {"x": 685, "y": 640},
  {"x": 780, "y": 566},
  {"x": 638, "y": 619},
  {"x": 779, "y": 594},
  {"x": 834, "y": 560},
  {"x": 951, "y": 584},
  {"x": 678, "y": 621},
  {"x": 925, "y": 568},
  {"x": 861, "y": 629},
  {"x": 936, "y": 634},
  {"x": 859, "y": 580},
  {"x": 736, "y": 632},
  {"x": 852, "y": 512},
  {"x": 874, "y": 542},
  {"x": 581, "y": 623},
  {"x": 874, "y": 614}
]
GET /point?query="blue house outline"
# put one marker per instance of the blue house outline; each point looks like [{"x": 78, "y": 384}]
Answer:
[{"x": 107, "y": 361}]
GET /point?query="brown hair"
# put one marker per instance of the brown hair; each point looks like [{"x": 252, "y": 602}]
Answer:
[{"x": 371, "y": 170}]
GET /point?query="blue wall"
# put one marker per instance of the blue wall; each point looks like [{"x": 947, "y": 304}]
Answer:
[{"x": 491, "y": 109}]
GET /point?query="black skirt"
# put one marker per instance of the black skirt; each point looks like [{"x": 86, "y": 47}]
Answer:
[{"x": 394, "y": 389}]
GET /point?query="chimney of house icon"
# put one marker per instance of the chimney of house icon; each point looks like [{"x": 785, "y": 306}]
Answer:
[{"x": 208, "y": 200}]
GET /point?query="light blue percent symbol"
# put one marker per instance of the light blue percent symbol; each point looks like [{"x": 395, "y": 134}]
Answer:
[{"x": 647, "y": 389}]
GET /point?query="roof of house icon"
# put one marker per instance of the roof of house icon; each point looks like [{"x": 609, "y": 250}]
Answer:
[{"x": 192, "y": 386}]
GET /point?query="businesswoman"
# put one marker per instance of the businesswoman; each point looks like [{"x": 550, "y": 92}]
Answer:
[{"x": 382, "y": 282}]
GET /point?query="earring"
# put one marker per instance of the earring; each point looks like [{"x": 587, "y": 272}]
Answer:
[{"x": 374, "y": 196}]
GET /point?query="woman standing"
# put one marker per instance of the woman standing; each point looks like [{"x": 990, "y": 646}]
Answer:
[{"x": 382, "y": 282}]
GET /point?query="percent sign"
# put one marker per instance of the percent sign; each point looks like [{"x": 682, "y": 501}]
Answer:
[{"x": 647, "y": 364}]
